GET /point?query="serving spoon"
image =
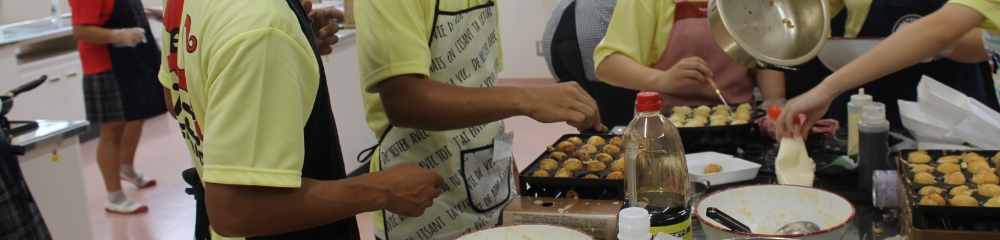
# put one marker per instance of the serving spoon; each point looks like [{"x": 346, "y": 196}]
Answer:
[{"x": 798, "y": 228}]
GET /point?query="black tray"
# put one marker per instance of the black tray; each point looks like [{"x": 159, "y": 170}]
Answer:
[
  {"x": 723, "y": 139},
  {"x": 600, "y": 189},
  {"x": 945, "y": 217}
]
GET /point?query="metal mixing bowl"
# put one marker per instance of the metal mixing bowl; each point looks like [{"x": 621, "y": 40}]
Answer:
[{"x": 755, "y": 32}]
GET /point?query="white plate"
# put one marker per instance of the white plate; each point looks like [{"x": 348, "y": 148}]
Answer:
[
  {"x": 918, "y": 121},
  {"x": 733, "y": 170},
  {"x": 524, "y": 232}
]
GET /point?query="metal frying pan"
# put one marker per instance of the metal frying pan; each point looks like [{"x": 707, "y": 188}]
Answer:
[
  {"x": 770, "y": 34},
  {"x": 8, "y": 98}
]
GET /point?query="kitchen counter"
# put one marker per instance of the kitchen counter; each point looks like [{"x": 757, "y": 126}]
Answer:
[
  {"x": 49, "y": 132},
  {"x": 37, "y": 29}
]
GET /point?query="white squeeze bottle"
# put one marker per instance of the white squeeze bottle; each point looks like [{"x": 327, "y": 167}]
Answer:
[
  {"x": 854, "y": 110},
  {"x": 633, "y": 224}
]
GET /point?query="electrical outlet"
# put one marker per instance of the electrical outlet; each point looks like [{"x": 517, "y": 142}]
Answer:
[{"x": 540, "y": 48}]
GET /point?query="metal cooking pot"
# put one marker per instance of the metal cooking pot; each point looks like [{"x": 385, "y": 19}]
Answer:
[
  {"x": 8, "y": 98},
  {"x": 771, "y": 34}
]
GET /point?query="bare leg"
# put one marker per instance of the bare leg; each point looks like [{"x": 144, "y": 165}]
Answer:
[
  {"x": 130, "y": 141},
  {"x": 108, "y": 151}
]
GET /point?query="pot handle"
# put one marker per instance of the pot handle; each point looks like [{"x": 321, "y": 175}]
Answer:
[
  {"x": 726, "y": 220},
  {"x": 776, "y": 67},
  {"x": 28, "y": 86}
]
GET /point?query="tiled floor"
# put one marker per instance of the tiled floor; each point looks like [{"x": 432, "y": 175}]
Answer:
[{"x": 163, "y": 155}]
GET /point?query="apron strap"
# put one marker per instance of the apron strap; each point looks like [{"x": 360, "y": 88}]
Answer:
[{"x": 201, "y": 223}]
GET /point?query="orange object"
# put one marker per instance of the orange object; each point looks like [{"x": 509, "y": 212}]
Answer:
[{"x": 774, "y": 111}]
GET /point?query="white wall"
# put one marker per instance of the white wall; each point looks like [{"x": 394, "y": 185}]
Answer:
[{"x": 522, "y": 23}]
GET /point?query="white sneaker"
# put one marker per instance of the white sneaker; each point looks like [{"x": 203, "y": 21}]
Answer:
[
  {"x": 139, "y": 180},
  {"x": 127, "y": 207}
]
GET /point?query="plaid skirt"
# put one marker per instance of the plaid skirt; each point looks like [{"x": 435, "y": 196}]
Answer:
[{"x": 108, "y": 98}]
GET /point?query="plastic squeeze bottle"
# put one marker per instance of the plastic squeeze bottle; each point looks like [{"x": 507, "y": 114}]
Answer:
[
  {"x": 874, "y": 144},
  {"x": 854, "y": 109},
  {"x": 633, "y": 224}
]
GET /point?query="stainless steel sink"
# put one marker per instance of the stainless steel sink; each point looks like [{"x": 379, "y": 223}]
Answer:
[{"x": 30, "y": 29}]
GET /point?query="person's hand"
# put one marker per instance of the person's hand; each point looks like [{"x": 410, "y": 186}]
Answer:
[
  {"x": 154, "y": 13},
  {"x": 411, "y": 189},
  {"x": 127, "y": 37},
  {"x": 326, "y": 32},
  {"x": 813, "y": 104},
  {"x": 687, "y": 72},
  {"x": 563, "y": 102}
]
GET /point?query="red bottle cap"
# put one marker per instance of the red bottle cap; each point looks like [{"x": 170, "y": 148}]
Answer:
[{"x": 648, "y": 102}]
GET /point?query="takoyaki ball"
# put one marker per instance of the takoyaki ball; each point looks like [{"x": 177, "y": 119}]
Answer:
[
  {"x": 996, "y": 158},
  {"x": 596, "y": 141},
  {"x": 948, "y": 168},
  {"x": 564, "y": 173},
  {"x": 924, "y": 178},
  {"x": 979, "y": 167},
  {"x": 985, "y": 178},
  {"x": 722, "y": 108},
  {"x": 712, "y": 168},
  {"x": 918, "y": 157},
  {"x": 738, "y": 122},
  {"x": 718, "y": 123},
  {"x": 931, "y": 200},
  {"x": 548, "y": 164},
  {"x": 744, "y": 107},
  {"x": 617, "y": 141},
  {"x": 931, "y": 190},
  {"x": 993, "y": 202},
  {"x": 989, "y": 190},
  {"x": 618, "y": 166},
  {"x": 566, "y": 147},
  {"x": 722, "y": 113},
  {"x": 589, "y": 148},
  {"x": 964, "y": 201},
  {"x": 961, "y": 190},
  {"x": 714, "y": 118},
  {"x": 558, "y": 156},
  {"x": 572, "y": 164},
  {"x": 616, "y": 175},
  {"x": 703, "y": 111},
  {"x": 678, "y": 118},
  {"x": 678, "y": 123},
  {"x": 921, "y": 168},
  {"x": 595, "y": 166},
  {"x": 581, "y": 155},
  {"x": 541, "y": 173},
  {"x": 745, "y": 116},
  {"x": 694, "y": 124},
  {"x": 575, "y": 140},
  {"x": 703, "y": 120},
  {"x": 971, "y": 157},
  {"x": 955, "y": 178},
  {"x": 611, "y": 149},
  {"x": 604, "y": 158},
  {"x": 949, "y": 159},
  {"x": 683, "y": 110},
  {"x": 591, "y": 176}
]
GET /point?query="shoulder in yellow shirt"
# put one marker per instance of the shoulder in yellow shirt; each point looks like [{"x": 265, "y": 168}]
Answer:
[
  {"x": 639, "y": 29},
  {"x": 990, "y": 10}
]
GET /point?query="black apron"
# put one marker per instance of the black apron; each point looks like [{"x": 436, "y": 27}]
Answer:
[
  {"x": 323, "y": 158},
  {"x": 136, "y": 68},
  {"x": 19, "y": 214},
  {"x": 884, "y": 18}
]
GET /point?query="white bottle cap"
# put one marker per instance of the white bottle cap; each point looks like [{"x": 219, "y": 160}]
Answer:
[
  {"x": 873, "y": 113},
  {"x": 861, "y": 98},
  {"x": 633, "y": 223}
]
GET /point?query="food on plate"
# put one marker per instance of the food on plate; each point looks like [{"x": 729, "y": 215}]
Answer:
[
  {"x": 924, "y": 178},
  {"x": 616, "y": 175},
  {"x": 566, "y": 147},
  {"x": 971, "y": 157},
  {"x": 617, "y": 141},
  {"x": 611, "y": 149},
  {"x": 596, "y": 141},
  {"x": 745, "y": 116},
  {"x": 595, "y": 166},
  {"x": 581, "y": 155},
  {"x": 979, "y": 167},
  {"x": 575, "y": 140},
  {"x": 541, "y": 173},
  {"x": 985, "y": 178},
  {"x": 572, "y": 164},
  {"x": 993, "y": 202},
  {"x": 682, "y": 110},
  {"x": 703, "y": 111},
  {"x": 955, "y": 178},
  {"x": 604, "y": 158},
  {"x": 712, "y": 168},
  {"x": 718, "y": 123},
  {"x": 738, "y": 122},
  {"x": 947, "y": 168},
  {"x": 590, "y": 148},
  {"x": 618, "y": 166},
  {"x": 931, "y": 200},
  {"x": 918, "y": 157},
  {"x": 961, "y": 190},
  {"x": 931, "y": 190},
  {"x": 996, "y": 158},
  {"x": 921, "y": 168},
  {"x": 591, "y": 176},
  {"x": 949, "y": 159},
  {"x": 989, "y": 190},
  {"x": 744, "y": 107},
  {"x": 558, "y": 156},
  {"x": 548, "y": 164},
  {"x": 694, "y": 124},
  {"x": 964, "y": 201},
  {"x": 564, "y": 173}
]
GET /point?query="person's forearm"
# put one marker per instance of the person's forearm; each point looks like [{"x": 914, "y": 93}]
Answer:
[
  {"x": 970, "y": 48},
  {"x": 241, "y": 211},
  {"x": 917, "y": 42},
  {"x": 621, "y": 70},
  {"x": 415, "y": 102},
  {"x": 92, "y": 34},
  {"x": 771, "y": 84}
]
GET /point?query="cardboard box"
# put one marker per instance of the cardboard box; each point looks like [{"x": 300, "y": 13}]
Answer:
[{"x": 599, "y": 218}]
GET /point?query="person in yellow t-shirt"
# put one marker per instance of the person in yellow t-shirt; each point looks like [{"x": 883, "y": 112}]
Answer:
[
  {"x": 948, "y": 27},
  {"x": 429, "y": 74},
  {"x": 668, "y": 47},
  {"x": 251, "y": 98}
]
